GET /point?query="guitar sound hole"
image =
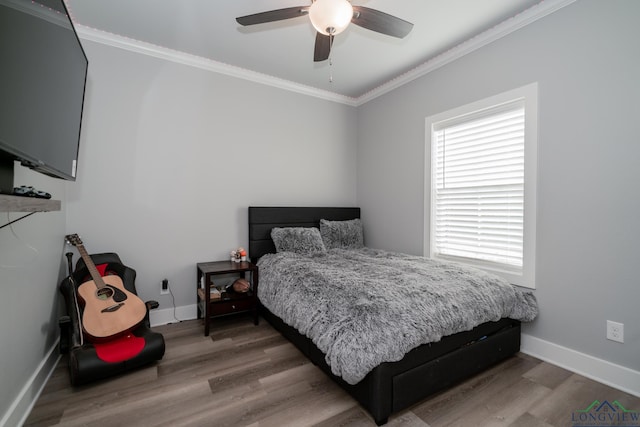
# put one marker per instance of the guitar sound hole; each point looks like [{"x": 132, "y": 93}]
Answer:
[{"x": 104, "y": 293}]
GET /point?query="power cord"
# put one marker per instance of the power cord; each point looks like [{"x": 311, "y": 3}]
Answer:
[
  {"x": 173, "y": 302},
  {"x": 15, "y": 220}
]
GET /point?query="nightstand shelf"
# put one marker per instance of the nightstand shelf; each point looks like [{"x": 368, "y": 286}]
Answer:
[{"x": 230, "y": 302}]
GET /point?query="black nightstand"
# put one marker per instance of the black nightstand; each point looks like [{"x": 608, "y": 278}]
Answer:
[{"x": 231, "y": 302}]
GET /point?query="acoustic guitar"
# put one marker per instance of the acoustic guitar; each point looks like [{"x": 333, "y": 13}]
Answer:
[{"x": 109, "y": 308}]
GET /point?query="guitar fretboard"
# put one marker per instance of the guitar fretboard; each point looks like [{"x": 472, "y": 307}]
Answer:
[{"x": 93, "y": 271}]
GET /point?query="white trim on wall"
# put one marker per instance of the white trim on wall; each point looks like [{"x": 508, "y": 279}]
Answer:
[
  {"x": 20, "y": 408},
  {"x": 600, "y": 370},
  {"x": 166, "y": 316},
  {"x": 137, "y": 46},
  {"x": 503, "y": 29}
]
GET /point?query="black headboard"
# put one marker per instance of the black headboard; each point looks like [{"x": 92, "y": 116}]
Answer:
[{"x": 263, "y": 219}]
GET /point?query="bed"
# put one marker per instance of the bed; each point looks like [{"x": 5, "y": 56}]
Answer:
[{"x": 389, "y": 386}]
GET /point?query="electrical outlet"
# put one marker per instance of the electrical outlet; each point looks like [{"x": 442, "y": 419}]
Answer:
[
  {"x": 615, "y": 331},
  {"x": 164, "y": 287}
]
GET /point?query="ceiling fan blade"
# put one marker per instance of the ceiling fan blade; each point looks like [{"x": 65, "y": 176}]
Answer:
[
  {"x": 380, "y": 22},
  {"x": 323, "y": 47},
  {"x": 273, "y": 15}
]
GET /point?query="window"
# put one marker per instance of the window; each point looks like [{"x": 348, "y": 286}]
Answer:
[{"x": 483, "y": 185}]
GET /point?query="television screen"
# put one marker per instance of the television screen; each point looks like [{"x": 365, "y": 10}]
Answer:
[{"x": 43, "y": 71}]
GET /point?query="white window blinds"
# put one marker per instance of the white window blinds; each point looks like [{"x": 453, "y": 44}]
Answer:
[{"x": 478, "y": 183}]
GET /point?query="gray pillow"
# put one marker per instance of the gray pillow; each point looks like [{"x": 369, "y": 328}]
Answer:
[
  {"x": 342, "y": 234},
  {"x": 300, "y": 240}
]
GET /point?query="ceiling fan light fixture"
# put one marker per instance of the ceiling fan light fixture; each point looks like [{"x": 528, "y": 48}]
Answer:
[{"x": 330, "y": 17}]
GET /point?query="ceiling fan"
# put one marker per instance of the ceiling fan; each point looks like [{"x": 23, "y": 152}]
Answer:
[{"x": 331, "y": 17}]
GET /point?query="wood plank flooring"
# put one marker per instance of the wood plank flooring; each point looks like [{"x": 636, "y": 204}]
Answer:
[{"x": 246, "y": 375}]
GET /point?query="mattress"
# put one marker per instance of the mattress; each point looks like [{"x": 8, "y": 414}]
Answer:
[{"x": 364, "y": 307}]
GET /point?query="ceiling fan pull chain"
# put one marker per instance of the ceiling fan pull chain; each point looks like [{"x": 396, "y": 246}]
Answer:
[
  {"x": 330, "y": 71},
  {"x": 330, "y": 58}
]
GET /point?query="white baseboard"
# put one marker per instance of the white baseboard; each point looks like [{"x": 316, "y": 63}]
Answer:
[
  {"x": 600, "y": 370},
  {"x": 19, "y": 410},
  {"x": 169, "y": 315}
]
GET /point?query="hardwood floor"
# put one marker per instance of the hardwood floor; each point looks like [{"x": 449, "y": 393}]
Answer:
[{"x": 246, "y": 375}]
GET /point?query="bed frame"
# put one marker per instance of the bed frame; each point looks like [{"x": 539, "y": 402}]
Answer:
[{"x": 390, "y": 387}]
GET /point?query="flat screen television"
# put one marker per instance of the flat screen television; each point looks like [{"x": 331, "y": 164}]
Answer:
[{"x": 43, "y": 71}]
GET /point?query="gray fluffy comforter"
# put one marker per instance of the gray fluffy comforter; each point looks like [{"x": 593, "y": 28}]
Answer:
[{"x": 367, "y": 306}]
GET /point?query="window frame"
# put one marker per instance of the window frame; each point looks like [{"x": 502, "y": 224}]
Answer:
[{"x": 525, "y": 276}]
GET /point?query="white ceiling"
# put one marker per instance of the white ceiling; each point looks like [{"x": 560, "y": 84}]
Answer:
[{"x": 362, "y": 61}]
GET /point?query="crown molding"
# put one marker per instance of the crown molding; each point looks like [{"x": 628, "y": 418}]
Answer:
[
  {"x": 144, "y": 48},
  {"x": 538, "y": 11},
  {"x": 503, "y": 29}
]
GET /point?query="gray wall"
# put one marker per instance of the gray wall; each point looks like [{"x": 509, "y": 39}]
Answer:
[
  {"x": 31, "y": 266},
  {"x": 585, "y": 60},
  {"x": 173, "y": 155}
]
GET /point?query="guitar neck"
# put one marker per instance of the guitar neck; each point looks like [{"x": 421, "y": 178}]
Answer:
[{"x": 93, "y": 271}]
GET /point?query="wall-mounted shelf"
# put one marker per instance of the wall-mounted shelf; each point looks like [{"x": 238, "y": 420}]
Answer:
[{"x": 10, "y": 203}]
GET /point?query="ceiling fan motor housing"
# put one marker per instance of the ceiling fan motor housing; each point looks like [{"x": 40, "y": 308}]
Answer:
[{"x": 330, "y": 17}]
